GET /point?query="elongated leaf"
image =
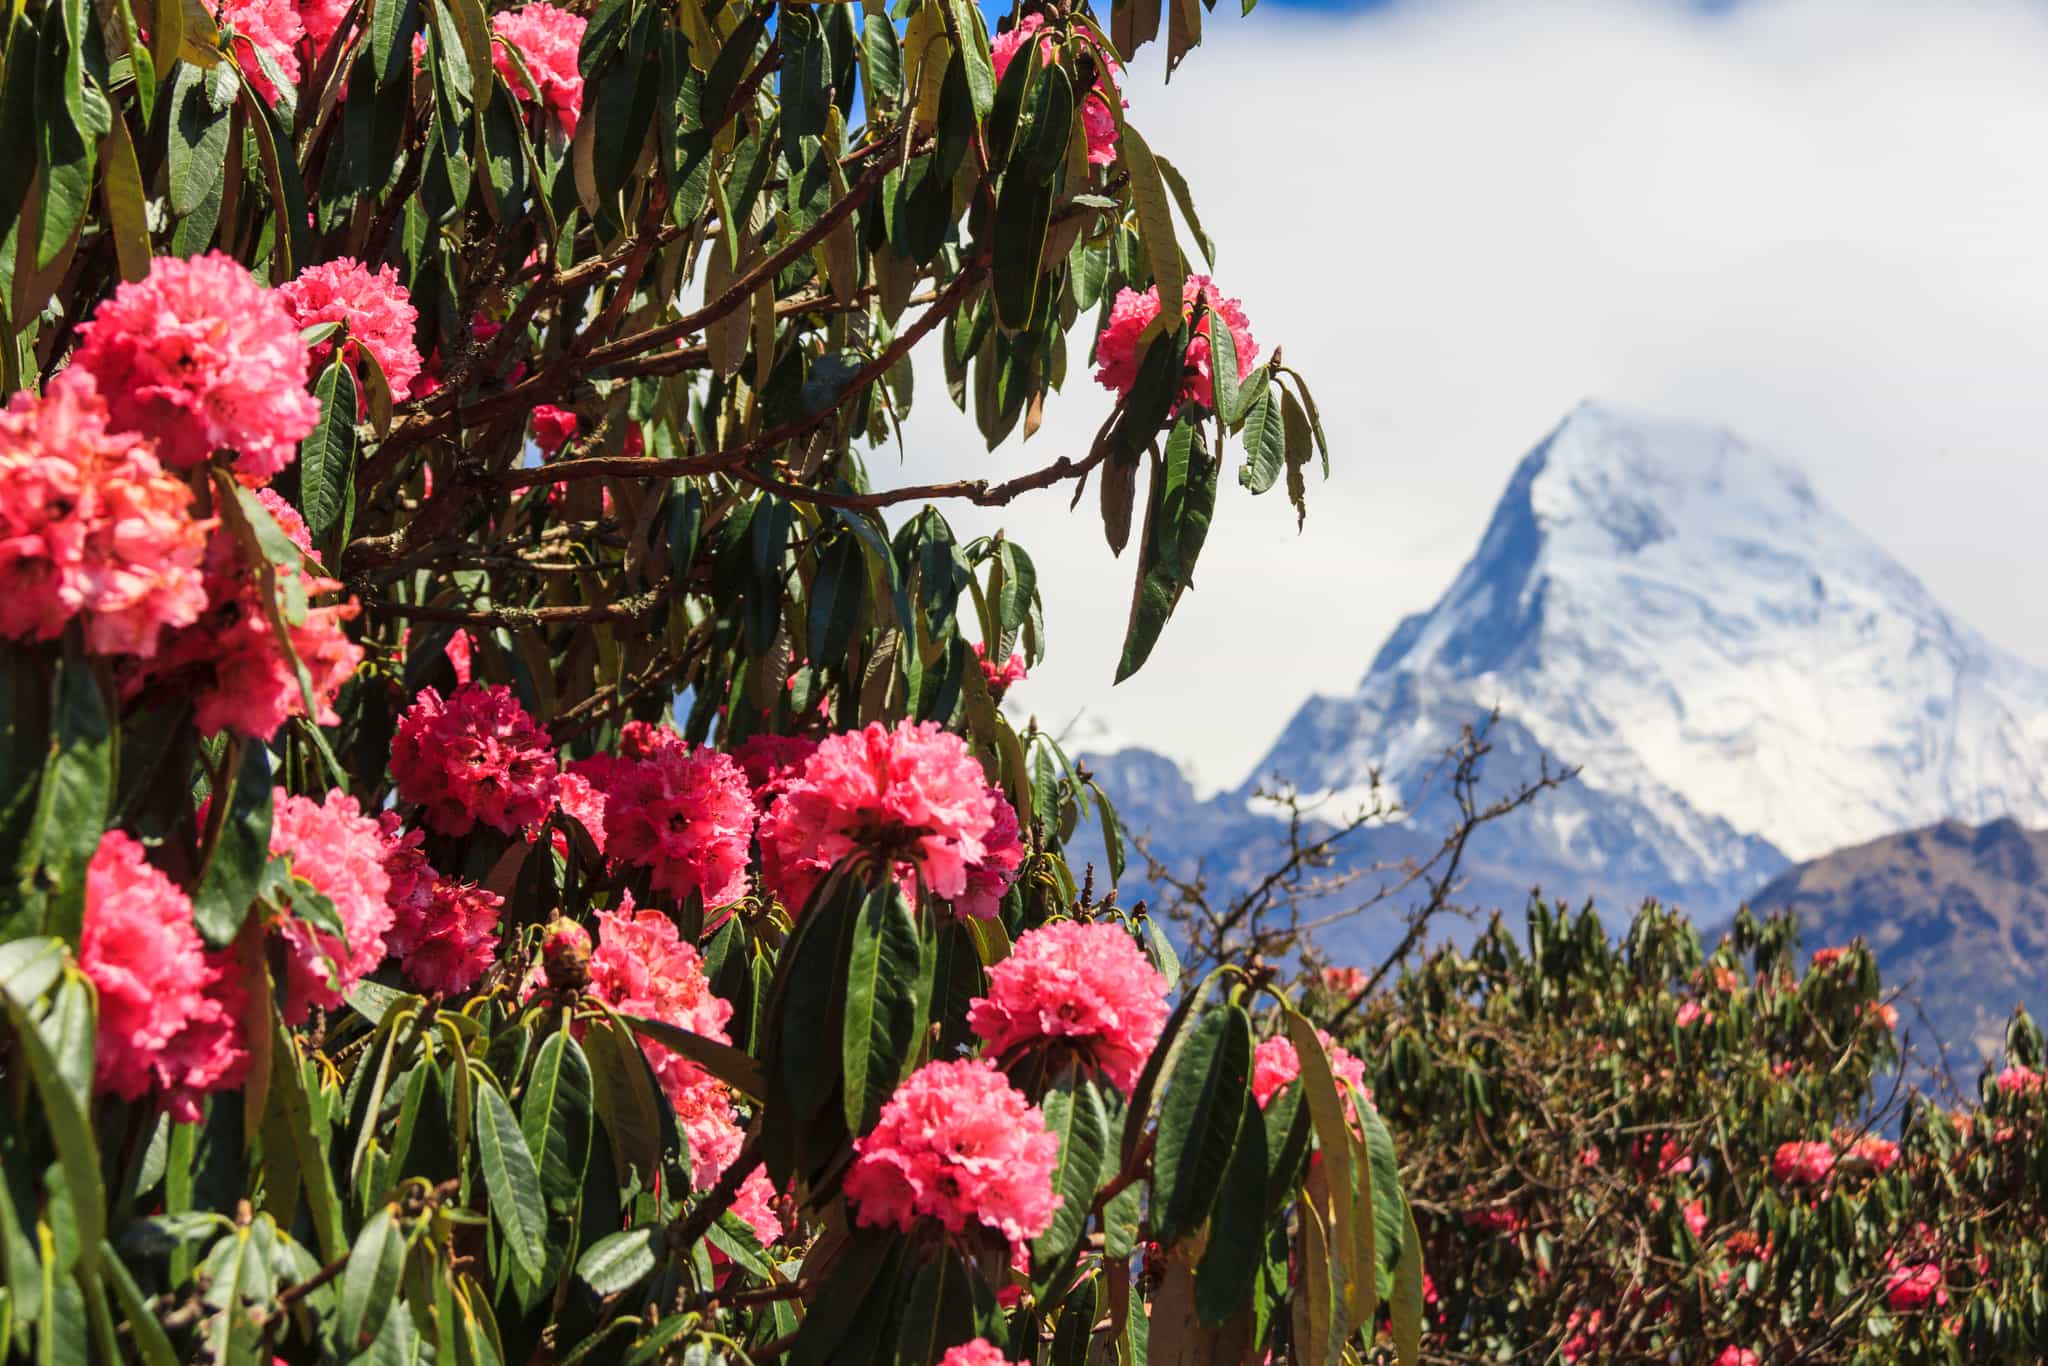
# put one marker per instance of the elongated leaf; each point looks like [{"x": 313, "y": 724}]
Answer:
[
  {"x": 241, "y": 852},
  {"x": 1155, "y": 218},
  {"x": 1076, "y": 1115},
  {"x": 723, "y": 1061},
  {"x": 555, "y": 1118},
  {"x": 327, "y": 456},
  {"x": 72, "y": 801},
  {"x": 1407, "y": 1302},
  {"x": 64, "y": 1103},
  {"x": 618, "y": 1262},
  {"x": 883, "y": 1004},
  {"x": 121, "y": 191},
  {"x": 1230, "y": 1262},
  {"x": 1176, "y": 182},
  {"x": 1230, "y": 393},
  {"x": 514, "y": 1183},
  {"x": 369, "y": 1284},
  {"x": 1351, "y": 1225},
  {"x": 1199, "y": 1121},
  {"x": 151, "y": 1342},
  {"x": 1265, "y": 443}
]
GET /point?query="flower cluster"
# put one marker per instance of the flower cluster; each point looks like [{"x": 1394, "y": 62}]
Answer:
[
  {"x": 913, "y": 795},
  {"x": 91, "y": 527},
  {"x": 979, "y": 1352},
  {"x": 1116, "y": 351},
  {"x": 269, "y": 29},
  {"x": 444, "y": 933},
  {"x": 1803, "y": 1163},
  {"x": 230, "y": 661},
  {"x": 201, "y": 357},
  {"x": 684, "y": 814},
  {"x": 959, "y": 1146},
  {"x": 339, "y": 851},
  {"x": 772, "y": 763},
  {"x": 548, "y": 39},
  {"x": 169, "y": 1011},
  {"x": 475, "y": 757},
  {"x": 374, "y": 310},
  {"x": 999, "y": 677},
  {"x": 1086, "y": 988}
]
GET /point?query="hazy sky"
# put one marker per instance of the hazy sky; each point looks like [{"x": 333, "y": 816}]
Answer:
[{"x": 1823, "y": 223}]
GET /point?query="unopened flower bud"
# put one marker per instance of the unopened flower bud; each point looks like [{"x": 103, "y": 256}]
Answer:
[{"x": 565, "y": 956}]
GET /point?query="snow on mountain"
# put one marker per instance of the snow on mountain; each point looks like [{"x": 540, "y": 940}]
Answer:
[{"x": 1742, "y": 676}]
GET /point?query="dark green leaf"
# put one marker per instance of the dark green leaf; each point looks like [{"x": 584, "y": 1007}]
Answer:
[
  {"x": 1076, "y": 1115},
  {"x": 555, "y": 1118},
  {"x": 618, "y": 1262},
  {"x": 72, "y": 801},
  {"x": 1265, "y": 443},
  {"x": 887, "y": 977},
  {"x": 369, "y": 1284},
  {"x": 1230, "y": 1262},
  {"x": 1199, "y": 1121},
  {"x": 327, "y": 456},
  {"x": 513, "y": 1181},
  {"x": 241, "y": 851}
]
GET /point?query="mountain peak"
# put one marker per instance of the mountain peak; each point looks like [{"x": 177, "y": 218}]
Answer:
[{"x": 1674, "y": 608}]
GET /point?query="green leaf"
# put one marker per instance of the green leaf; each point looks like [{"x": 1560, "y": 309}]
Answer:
[
  {"x": 327, "y": 456},
  {"x": 1230, "y": 1263},
  {"x": 1389, "y": 1206},
  {"x": 121, "y": 191},
  {"x": 152, "y": 1344},
  {"x": 76, "y": 788},
  {"x": 723, "y": 1061},
  {"x": 1176, "y": 527},
  {"x": 241, "y": 851},
  {"x": 1229, "y": 393},
  {"x": 198, "y": 139},
  {"x": 1155, "y": 220},
  {"x": 1407, "y": 1305},
  {"x": 1199, "y": 1121},
  {"x": 626, "y": 1099},
  {"x": 1179, "y": 185},
  {"x": 63, "y": 1102},
  {"x": 554, "y": 1118},
  {"x": 887, "y": 980},
  {"x": 514, "y": 1183},
  {"x": 1351, "y": 1234},
  {"x": 838, "y": 591},
  {"x": 369, "y": 1284},
  {"x": 1265, "y": 443},
  {"x": 1076, "y": 1115},
  {"x": 980, "y": 68},
  {"x": 618, "y": 1262}
]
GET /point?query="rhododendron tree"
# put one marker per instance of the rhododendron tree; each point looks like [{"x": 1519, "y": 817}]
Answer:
[{"x": 518, "y": 842}]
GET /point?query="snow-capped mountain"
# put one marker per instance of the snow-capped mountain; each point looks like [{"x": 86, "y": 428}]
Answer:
[{"x": 1743, "y": 678}]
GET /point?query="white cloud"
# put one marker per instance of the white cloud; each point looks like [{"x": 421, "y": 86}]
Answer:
[{"x": 1823, "y": 223}]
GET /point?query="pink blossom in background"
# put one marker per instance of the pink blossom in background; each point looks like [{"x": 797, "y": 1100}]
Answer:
[
  {"x": 548, "y": 39},
  {"x": 1275, "y": 1064},
  {"x": 1828, "y": 957},
  {"x": 980, "y": 1352},
  {"x": 1582, "y": 1334},
  {"x": 913, "y": 794},
  {"x": 168, "y": 1010},
  {"x": 989, "y": 877},
  {"x": 772, "y": 763},
  {"x": 553, "y": 428},
  {"x": 958, "y": 1145},
  {"x": 1691, "y": 1012},
  {"x": 2018, "y": 1080},
  {"x": 271, "y": 27},
  {"x": 1495, "y": 1219},
  {"x": 458, "y": 651},
  {"x": 1348, "y": 983},
  {"x": 1695, "y": 1214},
  {"x": 1117, "y": 355},
  {"x": 1803, "y": 1164},
  {"x": 1881, "y": 1153},
  {"x": 1912, "y": 1286},
  {"x": 410, "y": 876},
  {"x": 199, "y": 357},
  {"x": 92, "y": 526},
  {"x": 1096, "y": 115},
  {"x": 1659, "y": 1157},
  {"x": 1088, "y": 988},
  {"x": 321, "y": 20},
  {"x": 1736, "y": 1356},
  {"x": 340, "y": 851},
  {"x": 685, "y": 815},
  {"x": 999, "y": 677},
  {"x": 375, "y": 309},
  {"x": 475, "y": 758},
  {"x": 1885, "y": 1013},
  {"x": 575, "y": 797}
]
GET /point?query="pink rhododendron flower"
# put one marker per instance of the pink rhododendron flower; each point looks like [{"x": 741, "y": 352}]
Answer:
[
  {"x": 1659, "y": 1157},
  {"x": 1345, "y": 982},
  {"x": 2018, "y": 1080},
  {"x": 960, "y": 1146},
  {"x": 458, "y": 651},
  {"x": 1885, "y": 1013},
  {"x": 913, "y": 794},
  {"x": 1582, "y": 1334},
  {"x": 476, "y": 757},
  {"x": 980, "y": 1352},
  {"x": 1736, "y": 1356},
  {"x": 340, "y": 851},
  {"x": 199, "y": 357},
  {"x": 1117, "y": 355},
  {"x": 1694, "y": 1213},
  {"x": 577, "y": 798},
  {"x": 1828, "y": 957},
  {"x": 447, "y": 943},
  {"x": 271, "y": 27},
  {"x": 375, "y": 309},
  {"x": 548, "y": 39},
  {"x": 229, "y": 660},
  {"x": 1275, "y": 1064},
  {"x": 1803, "y": 1164},
  {"x": 1912, "y": 1286},
  {"x": 999, "y": 677},
  {"x": 410, "y": 876},
  {"x": 685, "y": 815},
  {"x": 553, "y": 428},
  {"x": 1880, "y": 1153},
  {"x": 321, "y": 20},
  {"x": 1086, "y": 988},
  {"x": 1495, "y": 1219},
  {"x": 92, "y": 526},
  {"x": 1096, "y": 115},
  {"x": 168, "y": 1010},
  {"x": 1691, "y": 1013},
  {"x": 772, "y": 763},
  {"x": 989, "y": 877}
]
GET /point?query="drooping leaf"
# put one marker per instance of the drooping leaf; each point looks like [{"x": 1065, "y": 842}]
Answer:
[{"x": 1199, "y": 1121}]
